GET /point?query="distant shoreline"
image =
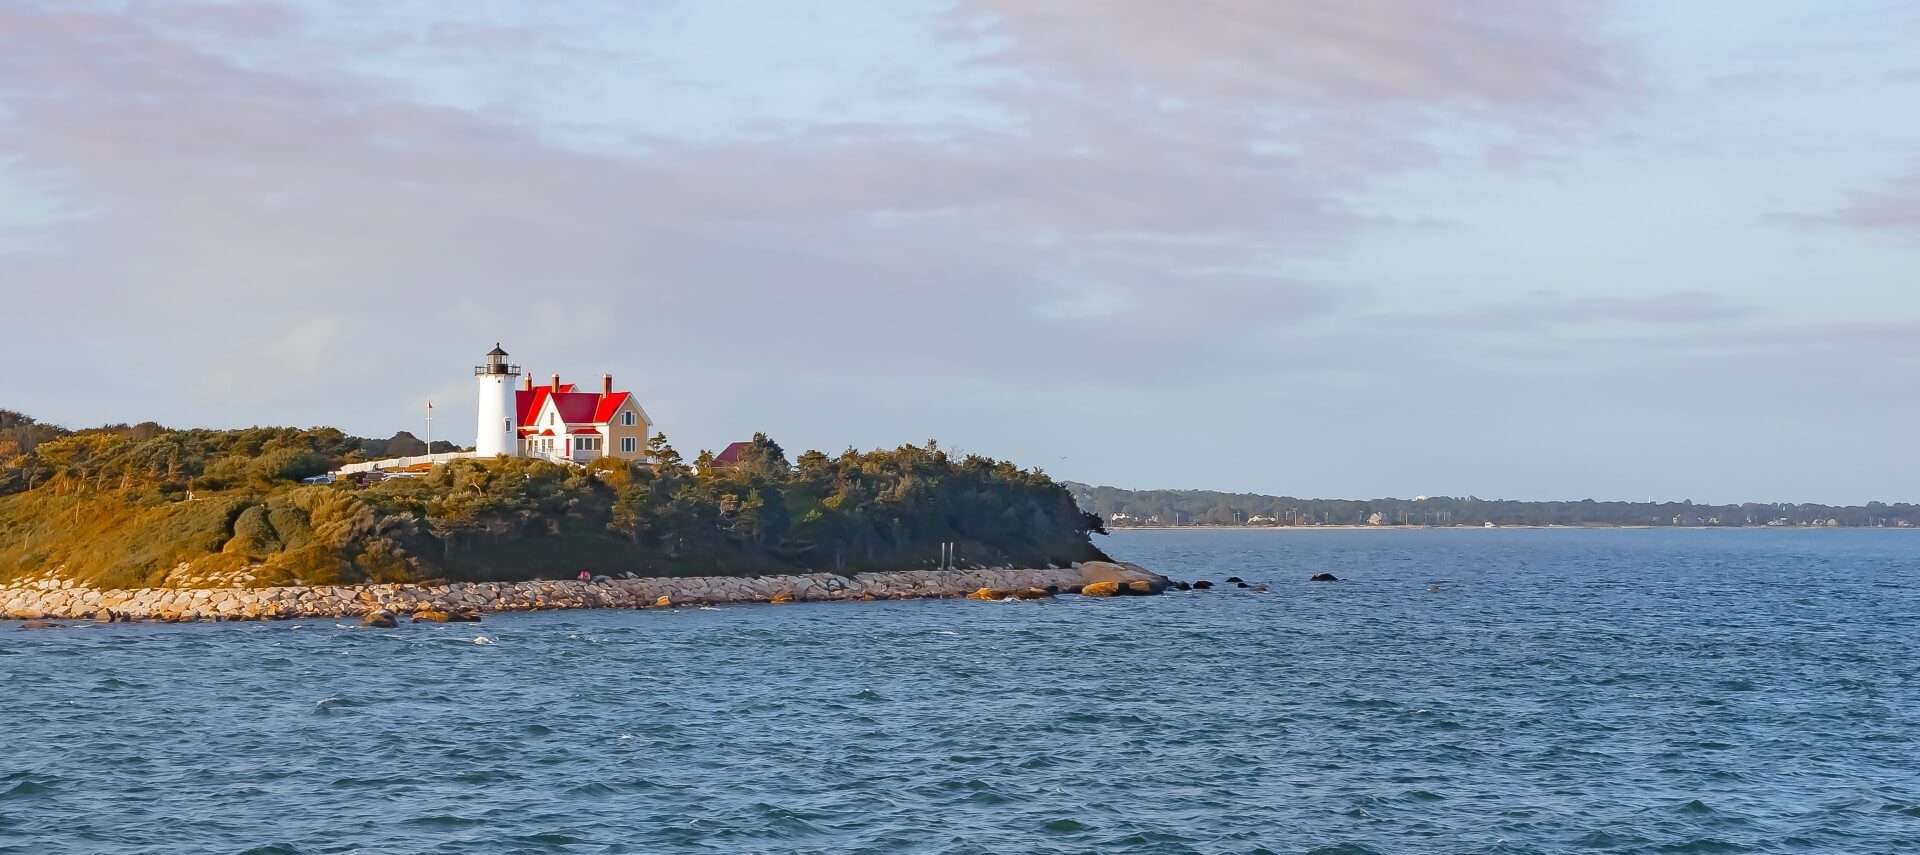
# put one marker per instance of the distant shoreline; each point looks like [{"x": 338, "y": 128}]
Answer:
[{"x": 1352, "y": 527}]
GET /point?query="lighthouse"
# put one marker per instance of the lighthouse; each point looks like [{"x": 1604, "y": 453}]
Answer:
[{"x": 496, "y": 434}]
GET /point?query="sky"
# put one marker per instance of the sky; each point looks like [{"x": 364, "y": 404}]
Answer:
[{"x": 1530, "y": 249}]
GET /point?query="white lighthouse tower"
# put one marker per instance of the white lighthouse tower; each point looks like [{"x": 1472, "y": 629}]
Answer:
[{"x": 497, "y": 432}]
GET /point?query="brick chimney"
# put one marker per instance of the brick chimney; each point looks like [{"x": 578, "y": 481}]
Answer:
[
  {"x": 526, "y": 382},
  {"x": 556, "y": 383},
  {"x": 606, "y": 385}
]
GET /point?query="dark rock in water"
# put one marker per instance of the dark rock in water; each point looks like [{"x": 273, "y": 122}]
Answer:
[
  {"x": 1142, "y": 587},
  {"x": 380, "y": 619},
  {"x": 463, "y": 616},
  {"x": 1033, "y": 594},
  {"x": 1324, "y": 577},
  {"x": 1203, "y": 585},
  {"x": 39, "y": 624},
  {"x": 1235, "y": 580},
  {"x": 431, "y": 616},
  {"x": 1182, "y": 586},
  {"x": 1241, "y": 585}
]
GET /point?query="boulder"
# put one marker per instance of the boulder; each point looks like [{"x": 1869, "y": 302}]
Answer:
[
  {"x": 380, "y": 618},
  {"x": 1324, "y": 577},
  {"x": 1033, "y": 593},
  {"x": 989, "y": 594},
  {"x": 665, "y": 601},
  {"x": 463, "y": 616},
  {"x": 1182, "y": 586},
  {"x": 39, "y": 624},
  {"x": 1203, "y": 585},
  {"x": 105, "y": 616},
  {"x": 1235, "y": 580},
  {"x": 431, "y": 616},
  {"x": 1143, "y": 587},
  {"x": 1107, "y": 571},
  {"x": 1101, "y": 589},
  {"x": 781, "y": 598}
]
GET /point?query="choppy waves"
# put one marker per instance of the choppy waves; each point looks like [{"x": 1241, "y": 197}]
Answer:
[{"x": 1561, "y": 691}]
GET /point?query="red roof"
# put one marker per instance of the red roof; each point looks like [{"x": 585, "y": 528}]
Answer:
[
  {"x": 732, "y": 453},
  {"x": 585, "y": 431},
  {"x": 609, "y": 404},
  {"x": 576, "y": 408}
]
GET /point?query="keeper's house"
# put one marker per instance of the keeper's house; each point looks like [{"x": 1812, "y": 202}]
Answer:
[{"x": 554, "y": 421}]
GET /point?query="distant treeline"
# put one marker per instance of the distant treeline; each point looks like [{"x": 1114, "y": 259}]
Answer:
[
  {"x": 138, "y": 505},
  {"x": 1123, "y": 508},
  {"x": 20, "y": 435}
]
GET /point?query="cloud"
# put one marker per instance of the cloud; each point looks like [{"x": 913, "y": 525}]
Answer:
[
  {"x": 1891, "y": 206},
  {"x": 1553, "y": 312},
  {"x": 1152, "y": 180},
  {"x": 285, "y": 358},
  {"x": 1253, "y": 54}
]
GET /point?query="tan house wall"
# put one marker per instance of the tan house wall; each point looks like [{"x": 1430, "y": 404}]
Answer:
[{"x": 639, "y": 431}]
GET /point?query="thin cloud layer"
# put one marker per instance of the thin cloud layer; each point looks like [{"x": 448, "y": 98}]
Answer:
[{"x": 1039, "y": 209}]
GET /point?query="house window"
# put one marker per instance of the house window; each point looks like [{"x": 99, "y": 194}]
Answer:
[
  {"x": 627, "y": 418},
  {"x": 629, "y": 444}
]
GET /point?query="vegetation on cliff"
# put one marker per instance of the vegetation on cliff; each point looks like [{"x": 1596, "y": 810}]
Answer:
[{"x": 124, "y": 506}]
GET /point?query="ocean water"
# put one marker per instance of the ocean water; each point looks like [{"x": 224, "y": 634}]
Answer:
[{"x": 1561, "y": 691}]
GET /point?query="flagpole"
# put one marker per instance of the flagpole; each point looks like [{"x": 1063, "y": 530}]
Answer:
[{"x": 429, "y": 431}]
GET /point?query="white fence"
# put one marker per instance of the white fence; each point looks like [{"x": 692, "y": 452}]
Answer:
[
  {"x": 399, "y": 462},
  {"x": 394, "y": 463}
]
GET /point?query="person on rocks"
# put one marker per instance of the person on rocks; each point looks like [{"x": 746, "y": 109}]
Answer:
[{"x": 586, "y": 576}]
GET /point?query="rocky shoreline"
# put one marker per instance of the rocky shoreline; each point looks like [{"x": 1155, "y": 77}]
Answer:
[{"x": 48, "y": 599}]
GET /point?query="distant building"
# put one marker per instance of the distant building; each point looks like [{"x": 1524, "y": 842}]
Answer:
[{"x": 732, "y": 455}]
